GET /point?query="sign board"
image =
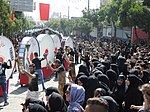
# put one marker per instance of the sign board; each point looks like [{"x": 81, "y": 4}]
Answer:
[{"x": 22, "y": 5}]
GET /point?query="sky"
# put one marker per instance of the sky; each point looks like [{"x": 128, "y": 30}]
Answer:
[{"x": 61, "y": 6}]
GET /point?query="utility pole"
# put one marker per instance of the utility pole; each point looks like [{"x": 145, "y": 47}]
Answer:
[
  {"x": 68, "y": 12},
  {"x": 88, "y": 5}
]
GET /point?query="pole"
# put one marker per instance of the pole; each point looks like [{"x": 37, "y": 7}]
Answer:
[
  {"x": 68, "y": 12},
  {"x": 88, "y": 5}
]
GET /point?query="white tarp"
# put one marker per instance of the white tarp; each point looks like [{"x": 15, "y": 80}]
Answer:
[
  {"x": 57, "y": 43},
  {"x": 7, "y": 52},
  {"x": 68, "y": 41},
  {"x": 24, "y": 53},
  {"x": 46, "y": 45}
]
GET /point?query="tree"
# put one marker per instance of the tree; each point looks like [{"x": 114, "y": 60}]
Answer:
[
  {"x": 112, "y": 14},
  {"x": 6, "y": 24},
  {"x": 83, "y": 25},
  {"x": 92, "y": 15},
  {"x": 134, "y": 14},
  {"x": 54, "y": 24}
]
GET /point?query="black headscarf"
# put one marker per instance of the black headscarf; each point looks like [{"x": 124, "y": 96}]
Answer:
[
  {"x": 83, "y": 79},
  {"x": 56, "y": 102},
  {"x": 135, "y": 81},
  {"x": 36, "y": 108},
  {"x": 83, "y": 68},
  {"x": 92, "y": 84},
  {"x": 132, "y": 95},
  {"x": 112, "y": 75},
  {"x": 146, "y": 76},
  {"x": 103, "y": 78},
  {"x": 97, "y": 72},
  {"x": 50, "y": 90},
  {"x": 134, "y": 71},
  {"x": 115, "y": 68},
  {"x": 100, "y": 69},
  {"x": 32, "y": 100},
  {"x": 79, "y": 75}
]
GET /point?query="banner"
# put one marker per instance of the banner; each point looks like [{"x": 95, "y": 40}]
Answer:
[
  {"x": 44, "y": 11},
  {"x": 12, "y": 15},
  {"x": 142, "y": 36}
]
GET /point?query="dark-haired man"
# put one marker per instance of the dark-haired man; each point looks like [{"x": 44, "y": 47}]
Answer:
[
  {"x": 37, "y": 62},
  {"x": 3, "y": 67},
  {"x": 96, "y": 105},
  {"x": 33, "y": 82},
  {"x": 61, "y": 75}
]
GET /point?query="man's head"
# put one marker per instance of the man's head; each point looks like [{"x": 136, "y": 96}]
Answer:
[
  {"x": 96, "y": 105},
  {"x": 35, "y": 54},
  {"x": 57, "y": 62},
  {"x": 32, "y": 68}
]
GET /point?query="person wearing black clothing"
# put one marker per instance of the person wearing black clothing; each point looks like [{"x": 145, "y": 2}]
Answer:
[
  {"x": 119, "y": 91},
  {"x": 91, "y": 85},
  {"x": 29, "y": 101},
  {"x": 59, "y": 56},
  {"x": 36, "y": 108},
  {"x": 3, "y": 67},
  {"x": 101, "y": 93},
  {"x": 56, "y": 103},
  {"x": 37, "y": 62},
  {"x": 112, "y": 75},
  {"x": 80, "y": 50},
  {"x": 86, "y": 59},
  {"x": 132, "y": 95},
  {"x": 76, "y": 56},
  {"x": 48, "y": 92},
  {"x": 33, "y": 82}
]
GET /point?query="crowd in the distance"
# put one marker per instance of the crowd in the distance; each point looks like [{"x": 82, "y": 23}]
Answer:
[{"x": 113, "y": 76}]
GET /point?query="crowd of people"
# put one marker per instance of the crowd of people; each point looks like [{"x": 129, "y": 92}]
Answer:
[{"x": 113, "y": 76}]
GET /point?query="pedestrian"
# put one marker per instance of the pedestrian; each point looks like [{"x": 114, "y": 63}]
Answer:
[
  {"x": 33, "y": 107},
  {"x": 33, "y": 82},
  {"x": 37, "y": 62},
  {"x": 132, "y": 94},
  {"x": 3, "y": 67},
  {"x": 61, "y": 75},
  {"x": 75, "y": 95},
  {"x": 56, "y": 103},
  {"x": 29, "y": 101}
]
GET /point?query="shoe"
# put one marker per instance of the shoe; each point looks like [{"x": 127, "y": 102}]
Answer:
[{"x": 6, "y": 103}]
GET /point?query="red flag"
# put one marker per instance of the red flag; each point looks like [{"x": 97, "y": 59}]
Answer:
[
  {"x": 12, "y": 15},
  {"x": 44, "y": 11}
]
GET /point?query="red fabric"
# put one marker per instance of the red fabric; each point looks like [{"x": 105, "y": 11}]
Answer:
[
  {"x": 24, "y": 79},
  {"x": 46, "y": 51},
  {"x": 141, "y": 34},
  {"x": 44, "y": 11},
  {"x": 12, "y": 15},
  {"x": 66, "y": 65},
  {"x": 31, "y": 56}
]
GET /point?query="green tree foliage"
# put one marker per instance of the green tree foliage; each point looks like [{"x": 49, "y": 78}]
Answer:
[
  {"x": 84, "y": 25},
  {"x": 6, "y": 24},
  {"x": 54, "y": 24},
  {"x": 134, "y": 14},
  {"x": 92, "y": 15}
]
